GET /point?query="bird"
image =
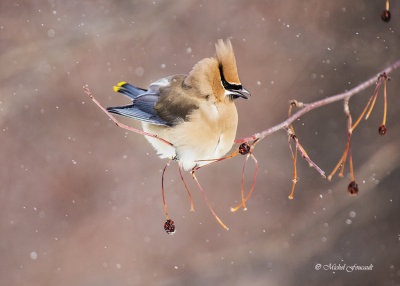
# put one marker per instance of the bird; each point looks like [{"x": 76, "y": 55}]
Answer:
[
  {"x": 196, "y": 112},
  {"x": 191, "y": 119}
]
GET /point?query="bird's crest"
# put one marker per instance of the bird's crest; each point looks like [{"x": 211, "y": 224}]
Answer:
[{"x": 226, "y": 61}]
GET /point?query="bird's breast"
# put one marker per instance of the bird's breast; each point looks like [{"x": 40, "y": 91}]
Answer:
[
  {"x": 208, "y": 134},
  {"x": 213, "y": 113}
]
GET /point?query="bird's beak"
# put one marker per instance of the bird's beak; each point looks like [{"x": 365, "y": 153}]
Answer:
[{"x": 243, "y": 93}]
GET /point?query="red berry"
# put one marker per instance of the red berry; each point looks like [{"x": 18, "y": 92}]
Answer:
[
  {"x": 244, "y": 148},
  {"x": 352, "y": 188},
  {"x": 382, "y": 130},
  {"x": 169, "y": 226},
  {"x": 385, "y": 16}
]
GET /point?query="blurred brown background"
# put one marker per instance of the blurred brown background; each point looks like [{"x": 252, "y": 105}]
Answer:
[{"x": 81, "y": 199}]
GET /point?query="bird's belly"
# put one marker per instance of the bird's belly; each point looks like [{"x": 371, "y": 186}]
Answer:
[
  {"x": 203, "y": 140},
  {"x": 206, "y": 148},
  {"x": 195, "y": 140},
  {"x": 222, "y": 147}
]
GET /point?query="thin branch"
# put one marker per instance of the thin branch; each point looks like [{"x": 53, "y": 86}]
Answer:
[
  {"x": 305, "y": 156},
  {"x": 310, "y": 106},
  {"x": 119, "y": 124}
]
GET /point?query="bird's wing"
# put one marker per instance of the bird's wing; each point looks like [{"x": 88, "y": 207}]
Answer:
[
  {"x": 176, "y": 100},
  {"x": 141, "y": 109},
  {"x": 166, "y": 102}
]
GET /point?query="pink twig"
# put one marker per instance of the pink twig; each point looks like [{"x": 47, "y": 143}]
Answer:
[
  {"x": 305, "y": 156},
  {"x": 119, "y": 124}
]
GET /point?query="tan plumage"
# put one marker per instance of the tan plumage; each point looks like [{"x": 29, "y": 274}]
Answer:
[{"x": 196, "y": 113}]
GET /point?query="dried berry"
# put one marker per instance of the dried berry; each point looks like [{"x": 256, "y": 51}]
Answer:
[
  {"x": 382, "y": 130},
  {"x": 385, "y": 16},
  {"x": 353, "y": 188},
  {"x": 244, "y": 148},
  {"x": 169, "y": 226}
]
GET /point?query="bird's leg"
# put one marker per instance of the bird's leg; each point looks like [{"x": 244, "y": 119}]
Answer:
[
  {"x": 118, "y": 123},
  {"x": 208, "y": 204},
  {"x": 187, "y": 189}
]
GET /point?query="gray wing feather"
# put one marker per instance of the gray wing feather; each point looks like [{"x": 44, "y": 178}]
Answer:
[
  {"x": 146, "y": 103},
  {"x": 141, "y": 109}
]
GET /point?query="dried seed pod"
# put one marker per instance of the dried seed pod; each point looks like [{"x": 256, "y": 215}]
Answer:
[
  {"x": 352, "y": 188},
  {"x": 385, "y": 16},
  {"x": 244, "y": 148},
  {"x": 382, "y": 130},
  {"x": 169, "y": 226}
]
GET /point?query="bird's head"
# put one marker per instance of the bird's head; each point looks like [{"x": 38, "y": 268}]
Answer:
[
  {"x": 217, "y": 77},
  {"x": 227, "y": 71}
]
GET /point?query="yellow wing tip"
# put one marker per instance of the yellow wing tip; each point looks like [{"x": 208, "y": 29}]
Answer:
[
  {"x": 121, "y": 83},
  {"x": 116, "y": 88}
]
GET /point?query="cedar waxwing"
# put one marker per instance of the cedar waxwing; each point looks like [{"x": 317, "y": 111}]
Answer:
[{"x": 195, "y": 112}]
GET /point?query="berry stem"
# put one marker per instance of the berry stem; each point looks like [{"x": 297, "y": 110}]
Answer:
[
  {"x": 252, "y": 186},
  {"x": 187, "y": 189},
  {"x": 294, "y": 181},
  {"x": 162, "y": 191},
  {"x": 207, "y": 202},
  {"x": 385, "y": 103}
]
